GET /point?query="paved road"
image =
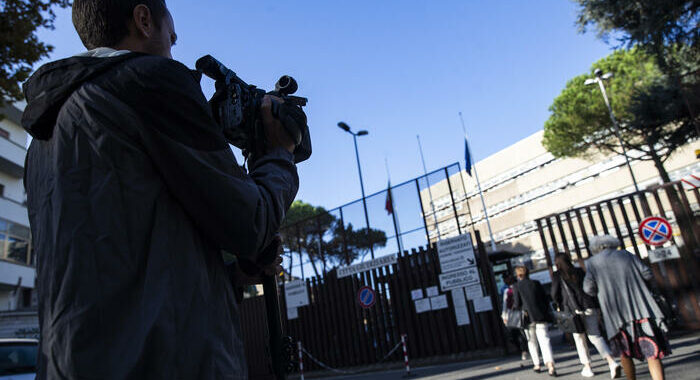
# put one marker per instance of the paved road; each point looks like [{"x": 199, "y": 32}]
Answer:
[{"x": 684, "y": 363}]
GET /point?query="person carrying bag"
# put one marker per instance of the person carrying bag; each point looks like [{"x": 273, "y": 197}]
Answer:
[{"x": 579, "y": 315}]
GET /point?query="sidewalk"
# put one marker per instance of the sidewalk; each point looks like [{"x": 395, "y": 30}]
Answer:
[{"x": 684, "y": 363}]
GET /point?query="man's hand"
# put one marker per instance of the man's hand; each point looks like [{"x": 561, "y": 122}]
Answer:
[{"x": 275, "y": 134}]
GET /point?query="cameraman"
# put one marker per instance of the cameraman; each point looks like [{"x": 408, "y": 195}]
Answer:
[{"x": 132, "y": 194}]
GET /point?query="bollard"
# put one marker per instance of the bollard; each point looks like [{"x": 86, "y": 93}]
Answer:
[
  {"x": 405, "y": 355},
  {"x": 301, "y": 362}
]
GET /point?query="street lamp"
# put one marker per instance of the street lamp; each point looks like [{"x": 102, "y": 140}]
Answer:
[
  {"x": 346, "y": 128},
  {"x": 599, "y": 78}
]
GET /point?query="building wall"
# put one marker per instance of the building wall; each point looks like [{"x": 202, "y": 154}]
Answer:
[
  {"x": 16, "y": 264},
  {"x": 524, "y": 182}
]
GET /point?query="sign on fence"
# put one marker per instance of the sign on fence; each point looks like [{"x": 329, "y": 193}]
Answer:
[
  {"x": 296, "y": 294},
  {"x": 416, "y": 294},
  {"x": 459, "y": 279},
  {"x": 655, "y": 230},
  {"x": 432, "y": 291},
  {"x": 456, "y": 253},
  {"x": 439, "y": 302},
  {"x": 366, "y": 297},
  {"x": 367, "y": 265},
  {"x": 292, "y": 313},
  {"x": 460, "y": 304},
  {"x": 422, "y": 305},
  {"x": 482, "y": 304},
  {"x": 474, "y": 291},
  {"x": 666, "y": 253}
]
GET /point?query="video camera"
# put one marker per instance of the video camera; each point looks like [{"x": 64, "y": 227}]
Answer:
[{"x": 236, "y": 106}]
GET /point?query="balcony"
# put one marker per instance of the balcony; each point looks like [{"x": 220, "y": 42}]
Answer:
[
  {"x": 12, "y": 158},
  {"x": 11, "y": 272},
  {"x": 13, "y": 211}
]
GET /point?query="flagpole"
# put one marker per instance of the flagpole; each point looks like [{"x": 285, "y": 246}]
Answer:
[
  {"x": 478, "y": 184},
  {"x": 394, "y": 217},
  {"x": 430, "y": 193}
]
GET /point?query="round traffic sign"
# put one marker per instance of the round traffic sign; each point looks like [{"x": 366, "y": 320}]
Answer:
[
  {"x": 366, "y": 297},
  {"x": 655, "y": 230}
]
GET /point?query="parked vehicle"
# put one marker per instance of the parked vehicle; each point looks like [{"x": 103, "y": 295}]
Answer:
[{"x": 18, "y": 359}]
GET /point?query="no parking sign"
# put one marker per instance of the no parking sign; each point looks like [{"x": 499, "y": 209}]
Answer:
[
  {"x": 655, "y": 230},
  {"x": 366, "y": 297}
]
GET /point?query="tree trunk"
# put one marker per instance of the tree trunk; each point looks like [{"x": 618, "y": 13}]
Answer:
[
  {"x": 684, "y": 220},
  {"x": 313, "y": 264},
  {"x": 658, "y": 163}
]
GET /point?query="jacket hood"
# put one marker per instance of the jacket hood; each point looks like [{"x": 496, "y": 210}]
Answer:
[{"x": 49, "y": 87}]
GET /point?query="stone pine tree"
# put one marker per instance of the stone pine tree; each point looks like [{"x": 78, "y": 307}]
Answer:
[
  {"x": 301, "y": 230},
  {"x": 323, "y": 238},
  {"x": 20, "y": 47},
  {"x": 650, "y": 109},
  {"x": 668, "y": 30}
]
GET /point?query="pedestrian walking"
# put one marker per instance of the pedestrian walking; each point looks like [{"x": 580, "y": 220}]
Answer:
[
  {"x": 531, "y": 298},
  {"x": 633, "y": 320},
  {"x": 568, "y": 294},
  {"x": 515, "y": 334}
]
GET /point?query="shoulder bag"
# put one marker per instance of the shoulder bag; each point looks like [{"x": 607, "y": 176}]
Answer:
[{"x": 569, "y": 322}]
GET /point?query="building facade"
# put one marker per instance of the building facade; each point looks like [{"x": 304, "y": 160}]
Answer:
[
  {"x": 17, "y": 265},
  {"x": 524, "y": 182}
]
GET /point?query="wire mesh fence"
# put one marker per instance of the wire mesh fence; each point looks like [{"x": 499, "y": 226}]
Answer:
[{"x": 404, "y": 216}]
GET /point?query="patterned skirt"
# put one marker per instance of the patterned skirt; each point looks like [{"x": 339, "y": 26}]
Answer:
[{"x": 641, "y": 339}]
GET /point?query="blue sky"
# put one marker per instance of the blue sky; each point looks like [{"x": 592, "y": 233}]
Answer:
[{"x": 395, "y": 68}]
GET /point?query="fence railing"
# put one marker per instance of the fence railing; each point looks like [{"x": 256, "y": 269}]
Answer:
[
  {"x": 621, "y": 216},
  {"x": 338, "y": 332}
]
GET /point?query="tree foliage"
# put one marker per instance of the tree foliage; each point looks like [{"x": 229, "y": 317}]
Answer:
[
  {"x": 651, "y": 111},
  {"x": 322, "y": 237},
  {"x": 21, "y": 48},
  {"x": 654, "y": 25}
]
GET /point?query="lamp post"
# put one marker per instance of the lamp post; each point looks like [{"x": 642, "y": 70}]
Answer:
[
  {"x": 599, "y": 78},
  {"x": 346, "y": 128}
]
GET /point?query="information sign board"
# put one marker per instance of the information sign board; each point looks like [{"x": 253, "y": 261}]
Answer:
[
  {"x": 416, "y": 294},
  {"x": 482, "y": 304},
  {"x": 665, "y": 253},
  {"x": 456, "y": 253},
  {"x": 422, "y": 305},
  {"x": 439, "y": 302},
  {"x": 367, "y": 265},
  {"x": 459, "y": 279},
  {"x": 296, "y": 294},
  {"x": 461, "y": 311}
]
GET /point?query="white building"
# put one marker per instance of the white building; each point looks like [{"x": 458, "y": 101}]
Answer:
[
  {"x": 17, "y": 273},
  {"x": 524, "y": 182}
]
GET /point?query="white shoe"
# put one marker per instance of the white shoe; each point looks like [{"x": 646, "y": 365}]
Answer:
[
  {"x": 587, "y": 372},
  {"x": 615, "y": 371}
]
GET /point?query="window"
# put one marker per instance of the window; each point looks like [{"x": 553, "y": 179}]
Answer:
[{"x": 14, "y": 242}]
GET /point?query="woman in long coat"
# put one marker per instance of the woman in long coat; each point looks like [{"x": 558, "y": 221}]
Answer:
[{"x": 633, "y": 320}]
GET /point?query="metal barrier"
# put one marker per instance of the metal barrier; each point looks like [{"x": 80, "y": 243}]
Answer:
[{"x": 677, "y": 279}]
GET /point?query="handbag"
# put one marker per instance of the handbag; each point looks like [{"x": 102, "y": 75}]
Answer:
[
  {"x": 569, "y": 322},
  {"x": 516, "y": 319}
]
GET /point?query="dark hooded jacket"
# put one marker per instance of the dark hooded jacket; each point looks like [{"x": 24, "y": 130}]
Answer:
[{"x": 132, "y": 194}]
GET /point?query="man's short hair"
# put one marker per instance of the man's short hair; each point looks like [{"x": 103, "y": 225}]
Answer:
[
  {"x": 600, "y": 242},
  {"x": 104, "y": 23}
]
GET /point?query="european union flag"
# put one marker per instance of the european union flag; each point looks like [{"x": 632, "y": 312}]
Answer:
[{"x": 467, "y": 158}]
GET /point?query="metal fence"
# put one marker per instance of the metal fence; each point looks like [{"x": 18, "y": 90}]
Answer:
[
  {"x": 338, "y": 332},
  {"x": 410, "y": 214},
  {"x": 621, "y": 216}
]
